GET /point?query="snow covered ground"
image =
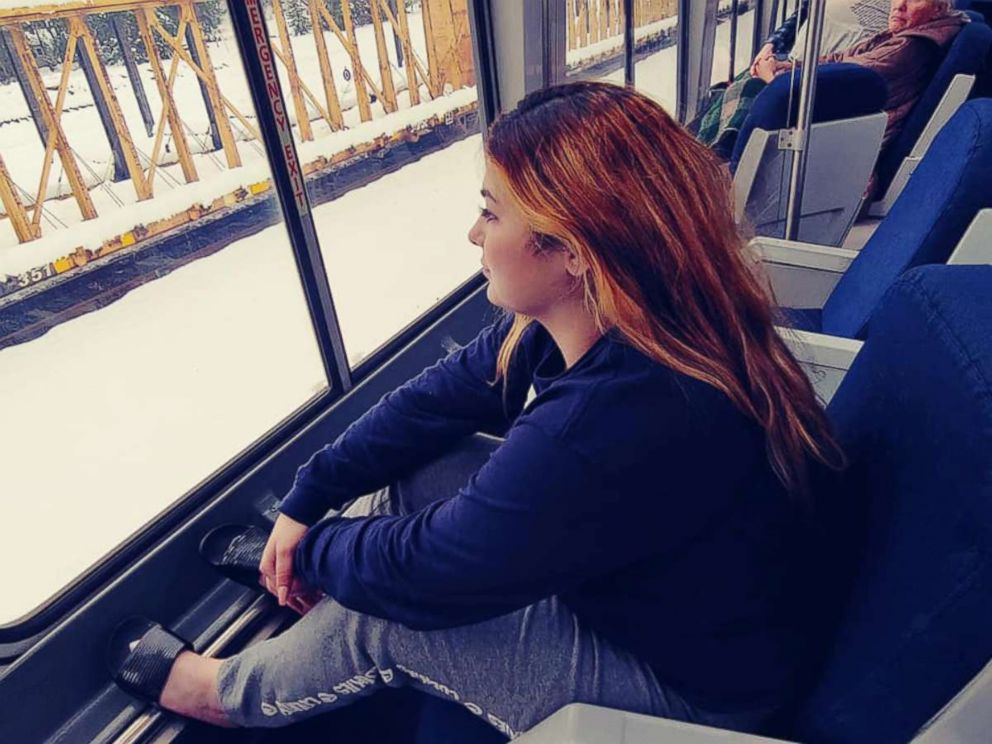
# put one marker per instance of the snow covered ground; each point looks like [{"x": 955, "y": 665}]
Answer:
[{"x": 119, "y": 412}]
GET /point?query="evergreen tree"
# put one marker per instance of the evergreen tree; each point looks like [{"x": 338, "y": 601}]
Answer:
[
  {"x": 297, "y": 16},
  {"x": 211, "y": 15},
  {"x": 361, "y": 11}
]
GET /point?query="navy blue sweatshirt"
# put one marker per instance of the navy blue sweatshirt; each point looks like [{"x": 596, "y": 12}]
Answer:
[{"x": 640, "y": 496}]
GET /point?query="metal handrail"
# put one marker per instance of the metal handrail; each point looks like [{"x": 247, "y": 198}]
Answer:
[
  {"x": 799, "y": 138},
  {"x": 629, "y": 43},
  {"x": 733, "y": 41},
  {"x": 150, "y": 719}
]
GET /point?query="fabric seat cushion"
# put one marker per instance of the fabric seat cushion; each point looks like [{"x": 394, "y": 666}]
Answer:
[
  {"x": 914, "y": 415},
  {"x": 925, "y": 224},
  {"x": 843, "y": 91}
]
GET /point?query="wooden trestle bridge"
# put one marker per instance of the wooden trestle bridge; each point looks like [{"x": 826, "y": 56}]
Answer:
[{"x": 448, "y": 67}]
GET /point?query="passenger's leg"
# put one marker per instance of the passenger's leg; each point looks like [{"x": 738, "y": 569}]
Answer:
[
  {"x": 438, "y": 479},
  {"x": 443, "y": 477},
  {"x": 512, "y": 671},
  {"x": 191, "y": 689}
]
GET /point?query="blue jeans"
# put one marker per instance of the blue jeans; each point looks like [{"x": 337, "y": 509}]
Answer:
[{"x": 511, "y": 671}]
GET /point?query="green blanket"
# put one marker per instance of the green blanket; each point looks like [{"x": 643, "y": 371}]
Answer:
[{"x": 728, "y": 108}]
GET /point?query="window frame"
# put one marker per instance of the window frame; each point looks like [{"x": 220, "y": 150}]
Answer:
[{"x": 251, "y": 34}]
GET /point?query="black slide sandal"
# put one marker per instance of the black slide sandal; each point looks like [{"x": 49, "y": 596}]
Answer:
[
  {"x": 140, "y": 655},
  {"x": 236, "y": 551}
]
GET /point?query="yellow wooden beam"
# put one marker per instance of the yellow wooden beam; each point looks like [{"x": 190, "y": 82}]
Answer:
[
  {"x": 335, "y": 117},
  {"x": 385, "y": 69},
  {"x": 401, "y": 27},
  {"x": 305, "y": 90},
  {"x": 53, "y": 124},
  {"x": 222, "y": 123},
  {"x": 463, "y": 42},
  {"x": 46, "y": 163},
  {"x": 49, "y": 11},
  {"x": 352, "y": 50},
  {"x": 292, "y": 72},
  {"x": 434, "y": 81},
  {"x": 164, "y": 118},
  {"x": 23, "y": 228},
  {"x": 137, "y": 173},
  {"x": 205, "y": 71},
  {"x": 571, "y": 27},
  {"x": 146, "y": 19},
  {"x": 357, "y": 69},
  {"x": 410, "y": 60},
  {"x": 442, "y": 43}
]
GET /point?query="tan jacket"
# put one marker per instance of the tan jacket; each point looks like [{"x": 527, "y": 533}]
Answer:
[{"x": 906, "y": 61}]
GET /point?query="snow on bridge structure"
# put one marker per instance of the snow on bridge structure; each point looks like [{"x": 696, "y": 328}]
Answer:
[
  {"x": 448, "y": 64},
  {"x": 197, "y": 162}
]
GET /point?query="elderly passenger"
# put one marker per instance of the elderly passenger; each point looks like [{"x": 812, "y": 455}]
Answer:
[{"x": 905, "y": 55}]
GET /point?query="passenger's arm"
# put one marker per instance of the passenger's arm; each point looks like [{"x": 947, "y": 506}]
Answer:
[
  {"x": 408, "y": 427},
  {"x": 783, "y": 38},
  {"x": 537, "y": 520},
  {"x": 896, "y": 60}
]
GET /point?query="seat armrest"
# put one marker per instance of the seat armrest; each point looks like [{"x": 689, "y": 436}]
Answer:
[
  {"x": 590, "y": 724},
  {"x": 975, "y": 246},
  {"x": 966, "y": 718},
  {"x": 801, "y": 274},
  {"x": 807, "y": 255},
  {"x": 825, "y": 359}
]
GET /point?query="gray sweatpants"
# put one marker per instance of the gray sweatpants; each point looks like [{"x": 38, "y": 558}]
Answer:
[{"x": 513, "y": 670}]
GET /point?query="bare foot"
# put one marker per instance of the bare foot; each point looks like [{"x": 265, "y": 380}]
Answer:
[{"x": 191, "y": 690}]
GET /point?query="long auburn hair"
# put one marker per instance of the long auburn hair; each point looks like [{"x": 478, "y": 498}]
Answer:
[{"x": 605, "y": 171}]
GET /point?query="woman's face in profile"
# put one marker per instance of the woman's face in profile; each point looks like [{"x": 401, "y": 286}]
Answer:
[
  {"x": 521, "y": 278},
  {"x": 905, "y": 14}
]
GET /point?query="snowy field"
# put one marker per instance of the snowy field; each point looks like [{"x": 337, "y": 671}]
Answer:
[{"x": 119, "y": 412}]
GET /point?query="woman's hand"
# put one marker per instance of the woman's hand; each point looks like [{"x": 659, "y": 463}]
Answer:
[
  {"x": 767, "y": 52},
  {"x": 769, "y": 68},
  {"x": 277, "y": 559}
]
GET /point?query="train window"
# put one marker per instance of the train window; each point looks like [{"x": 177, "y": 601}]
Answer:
[
  {"x": 594, "y": 34},
  {"x": 656, "y": 50},
  {"x": 152, "y": 320},
  {"x": 386, "y": 123},
  {"x": 656, "y": 47},
  {"x": 735, "y": 22}
]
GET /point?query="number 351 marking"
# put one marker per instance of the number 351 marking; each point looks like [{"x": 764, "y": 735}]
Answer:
[{"x": 35, "y": 275}]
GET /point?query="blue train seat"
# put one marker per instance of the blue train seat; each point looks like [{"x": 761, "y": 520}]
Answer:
[
  {"x": 915, "y": 417},
  {"x": 967, "y": 56},
  {"x": 925, "y": 225},
  {"x": 843, "y": 91},
  {"x": 910, "y": 534},
  {"x": 843, "y": 147},
  {"x": 445, "y": 722}
]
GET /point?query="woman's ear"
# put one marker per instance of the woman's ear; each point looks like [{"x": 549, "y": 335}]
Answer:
[{"x": 574, "y": 263}]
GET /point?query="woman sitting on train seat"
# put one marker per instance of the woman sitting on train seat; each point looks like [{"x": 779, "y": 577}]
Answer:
[
  {"x": 906, "y": 54},
  {"x": 641, "y": 536}
]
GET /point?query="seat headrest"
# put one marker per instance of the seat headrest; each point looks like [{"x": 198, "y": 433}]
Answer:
[
  {"x": 843, "y": 91},
  {"x": 926, "y": 222},
  {"x": 914, "y": 415}
]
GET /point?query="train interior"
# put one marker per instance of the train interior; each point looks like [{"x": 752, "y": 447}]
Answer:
[{"x": 227, "y": 236}]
